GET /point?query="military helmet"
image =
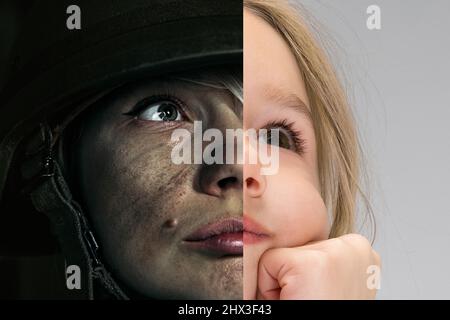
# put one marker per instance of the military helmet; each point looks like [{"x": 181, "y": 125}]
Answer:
[{"x": 55, "y": 70}]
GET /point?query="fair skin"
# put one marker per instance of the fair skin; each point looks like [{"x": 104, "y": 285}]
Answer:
[{"x": 294, "y": 259}]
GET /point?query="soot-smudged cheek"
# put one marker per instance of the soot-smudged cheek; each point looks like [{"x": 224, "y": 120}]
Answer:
[{"x": 124, "y": 178}]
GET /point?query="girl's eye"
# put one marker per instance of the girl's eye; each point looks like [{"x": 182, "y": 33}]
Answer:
[
  {"x": 160, "y": 111},
  {"x": 288, "y": 137},
  {"x": 284, "y": 139}
]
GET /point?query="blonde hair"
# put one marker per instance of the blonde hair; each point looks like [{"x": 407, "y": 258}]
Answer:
[
  {"x": 338, "y": 150},
  {"x": 229, "y": 78}
]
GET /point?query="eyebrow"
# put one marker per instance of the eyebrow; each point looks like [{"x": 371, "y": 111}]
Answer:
[{"x": 286, "y": 99}]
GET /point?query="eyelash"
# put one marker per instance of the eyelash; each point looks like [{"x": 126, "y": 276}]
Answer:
[
  {"x": 144, "y": 103},
  {"x": 296, "y": 135}
]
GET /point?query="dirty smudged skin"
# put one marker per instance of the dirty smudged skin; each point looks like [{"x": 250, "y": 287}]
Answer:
[{"x": 142, "y": 205}]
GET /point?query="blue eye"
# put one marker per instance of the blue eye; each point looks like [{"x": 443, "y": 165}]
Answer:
[{"x": 160, "y": 111}]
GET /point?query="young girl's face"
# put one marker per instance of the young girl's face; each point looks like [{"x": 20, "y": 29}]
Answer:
[{"x": 286, "y": 207}]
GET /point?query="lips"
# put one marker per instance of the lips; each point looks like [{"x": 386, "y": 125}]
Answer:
[
  {"x": 227, "y": 237},
  {"x": 254, "y": 232},
  {"x": 222, "y": 238}
]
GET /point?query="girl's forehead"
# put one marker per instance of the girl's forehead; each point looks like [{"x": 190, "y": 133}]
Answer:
[{"x": 269, "y": 63}]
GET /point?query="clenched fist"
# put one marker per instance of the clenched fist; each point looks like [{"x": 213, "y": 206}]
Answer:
[{"x": 330, "y": 269}]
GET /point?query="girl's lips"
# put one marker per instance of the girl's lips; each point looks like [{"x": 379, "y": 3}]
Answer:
[
  {"x": 254, "y": 232},
  {"x": 222, "y": 238}
]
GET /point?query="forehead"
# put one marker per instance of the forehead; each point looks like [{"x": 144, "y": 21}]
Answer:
[{"x": 268, "y": 61}]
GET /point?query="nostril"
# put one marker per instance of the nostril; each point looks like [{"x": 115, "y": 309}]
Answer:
[
  {"x": 229, "y": 182},
  {"x": 251, "y": 183},
  {"x": 255, "y": 187}
]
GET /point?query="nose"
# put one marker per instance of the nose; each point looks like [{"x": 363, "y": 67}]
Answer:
[
  {"x": 218, "y": 179},
  {"x": 255, "y": 183}
]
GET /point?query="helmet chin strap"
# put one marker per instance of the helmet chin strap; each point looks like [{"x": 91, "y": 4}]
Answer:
[{"x": 51, "y": 195}]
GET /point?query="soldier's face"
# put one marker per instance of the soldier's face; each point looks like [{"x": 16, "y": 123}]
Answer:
[{"x": 144, "y": 207}]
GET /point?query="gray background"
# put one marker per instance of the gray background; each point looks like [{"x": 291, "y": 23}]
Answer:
[{"x": 397, "y": 79}]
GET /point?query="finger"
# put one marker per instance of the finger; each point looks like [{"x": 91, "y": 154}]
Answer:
[
  {"x": 268, "y": 286},
  {"x": 274, "y": 265},
  {"x": 270, "y": 265}
]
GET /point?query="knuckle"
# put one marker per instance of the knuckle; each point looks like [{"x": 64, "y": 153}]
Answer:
[
  {"x": 377, "y": 258},
  {"x": 357, "y": 240}
]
